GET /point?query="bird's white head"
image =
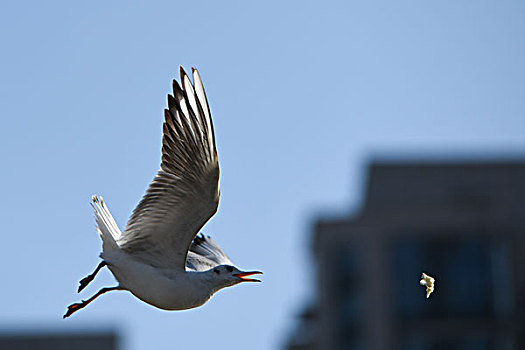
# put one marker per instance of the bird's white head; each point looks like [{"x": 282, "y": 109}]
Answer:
[{"x": 228, "y": 275}]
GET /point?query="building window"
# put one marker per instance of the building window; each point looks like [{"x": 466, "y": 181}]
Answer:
[{"x": 473, "y": 277}]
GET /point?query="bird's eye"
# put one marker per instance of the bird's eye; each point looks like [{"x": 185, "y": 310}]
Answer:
[
  {"x": 216, "y": 271},
  {"x": 229, "y": 268}
]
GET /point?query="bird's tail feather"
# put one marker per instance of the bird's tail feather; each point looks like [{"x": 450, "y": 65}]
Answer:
[{"x": 107, "y": 228}]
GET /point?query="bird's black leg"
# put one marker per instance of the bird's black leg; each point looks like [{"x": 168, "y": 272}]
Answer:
[
  {"x": 77, "y": 306},
  {"x": 87, "y": 280}
]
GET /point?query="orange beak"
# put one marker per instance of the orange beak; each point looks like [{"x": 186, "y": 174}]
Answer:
[{"x": 241, "y": 275}]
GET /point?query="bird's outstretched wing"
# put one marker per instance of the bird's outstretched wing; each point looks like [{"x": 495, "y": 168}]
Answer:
[
  {"x": 208, "y": 248},
  {"x": 205, "y": 254},
  {"x": 184, "y": 194}
]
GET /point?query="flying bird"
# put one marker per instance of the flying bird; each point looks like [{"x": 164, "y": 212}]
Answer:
[{"x": 160, "y": 257}]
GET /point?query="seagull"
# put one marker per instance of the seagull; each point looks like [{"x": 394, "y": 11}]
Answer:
[{"x": 160, "y": 257}]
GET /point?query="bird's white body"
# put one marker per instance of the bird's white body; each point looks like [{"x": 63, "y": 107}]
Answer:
[
  {"x": 158, "y": 257},
  {"x": 161, "y": 288}
]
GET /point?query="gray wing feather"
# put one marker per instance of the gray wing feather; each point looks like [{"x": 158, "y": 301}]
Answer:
[
  {"x": 196, "y": 262},
  {"x": 184, "y": 194},
  {"x": 206, "y": 247}
]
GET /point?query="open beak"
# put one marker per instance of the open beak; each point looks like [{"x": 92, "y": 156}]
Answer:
[{"x": 241, "y": 275}]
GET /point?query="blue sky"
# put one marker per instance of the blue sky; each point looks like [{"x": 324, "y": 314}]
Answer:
[{"x": 303, "y": 95}]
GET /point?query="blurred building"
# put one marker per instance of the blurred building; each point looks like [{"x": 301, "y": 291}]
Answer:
[
  {"x": 463, "y": 223},
  {"x": 59, "y": 341}
]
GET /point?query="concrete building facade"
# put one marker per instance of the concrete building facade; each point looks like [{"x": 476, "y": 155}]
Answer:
[{"x": 461, "y": 222}]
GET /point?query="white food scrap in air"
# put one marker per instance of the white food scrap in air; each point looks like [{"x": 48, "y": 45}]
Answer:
[{"x": 427, "y": 281}]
